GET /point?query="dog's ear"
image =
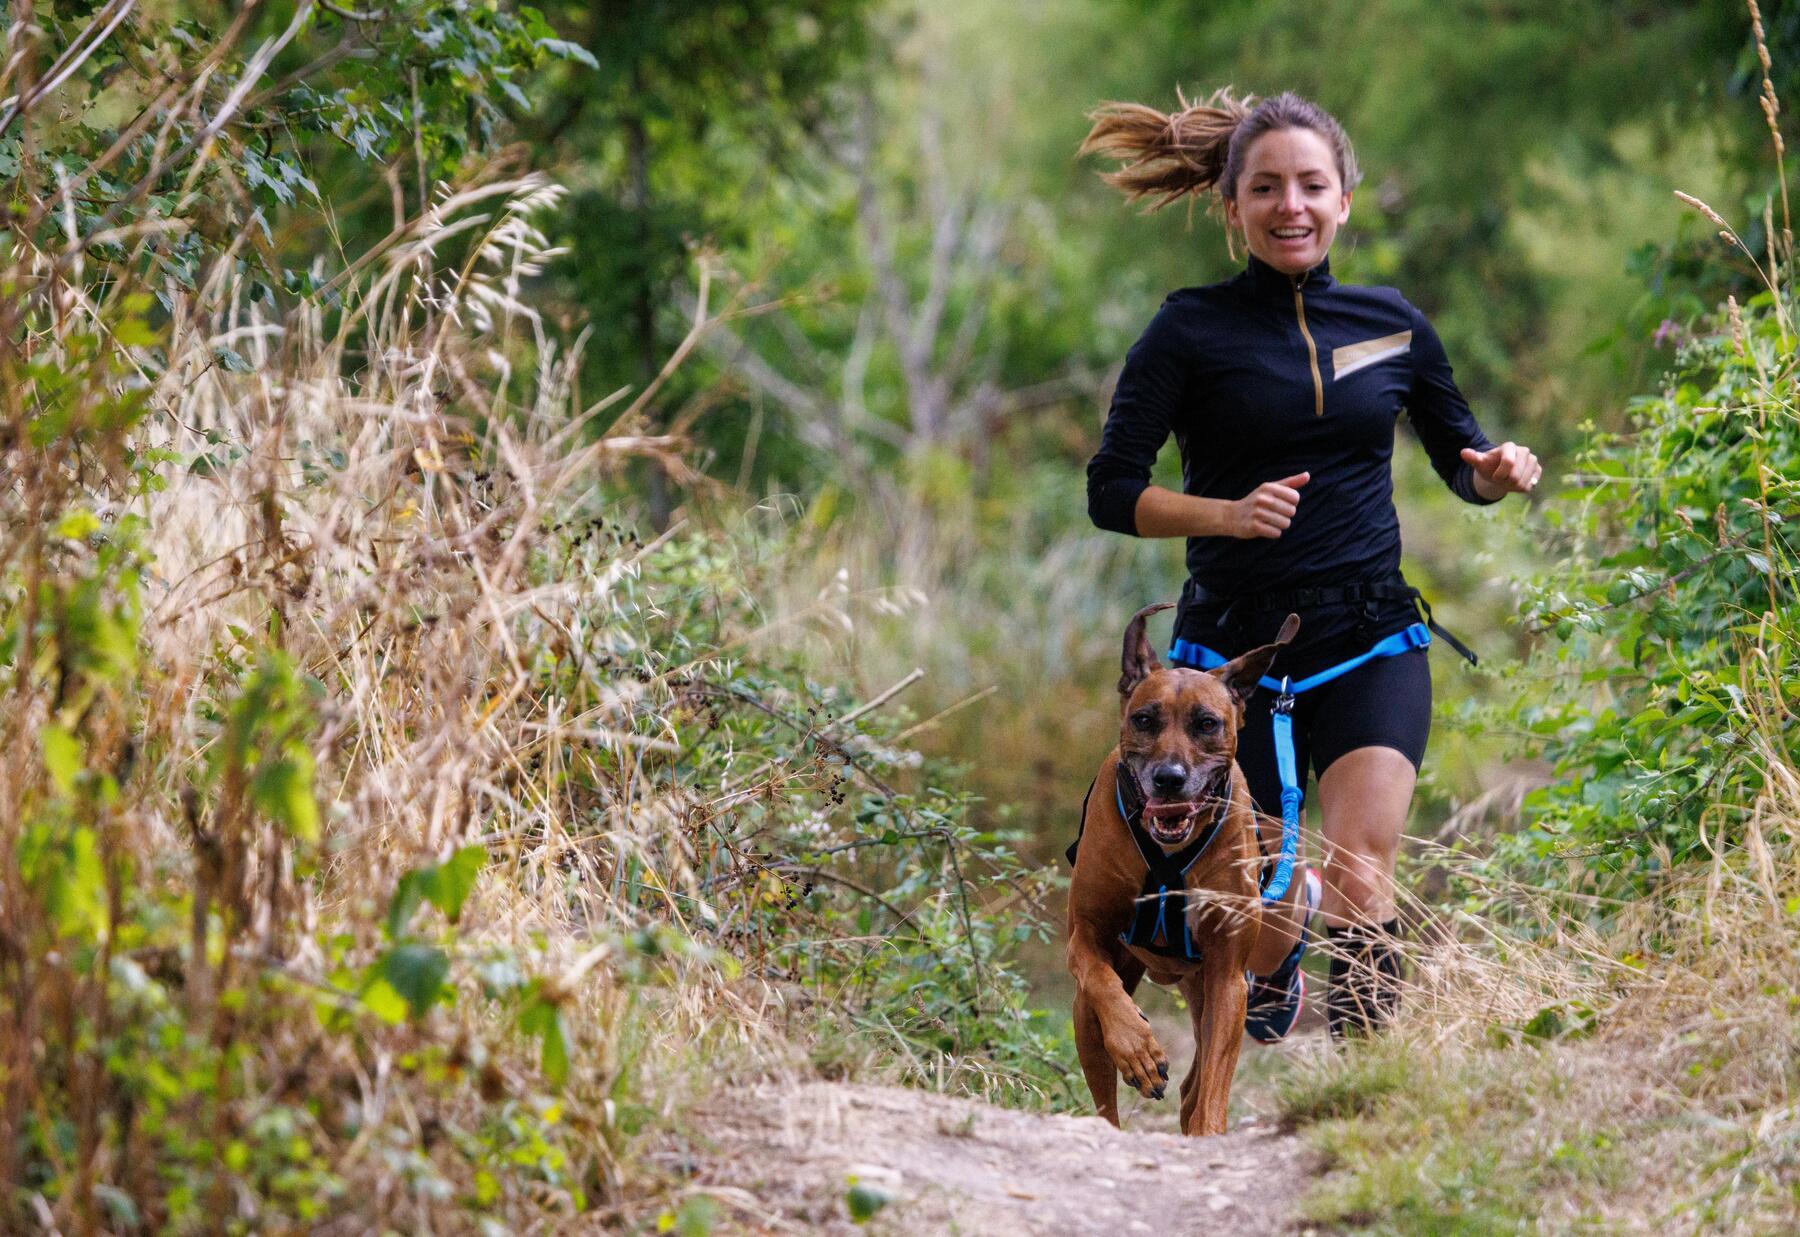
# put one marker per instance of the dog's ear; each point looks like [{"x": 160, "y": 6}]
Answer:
[
  {"x": 1139, "y": 660},
  {"x": 1240, "y": 674}
]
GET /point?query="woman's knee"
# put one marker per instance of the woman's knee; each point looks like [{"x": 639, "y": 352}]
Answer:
[{"x": 1364, "y": 797}]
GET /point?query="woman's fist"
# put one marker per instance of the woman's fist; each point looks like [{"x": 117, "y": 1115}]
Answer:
[
  {"x": 1267, "y": 510},
  {"x": 1506, "y": 469}
]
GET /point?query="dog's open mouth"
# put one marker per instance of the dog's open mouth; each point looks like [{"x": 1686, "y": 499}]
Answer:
[{"x": 1169, "y": 821}]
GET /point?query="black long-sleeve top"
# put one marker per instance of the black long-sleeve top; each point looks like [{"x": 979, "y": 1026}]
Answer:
[{"x": 1268, "y": 375}]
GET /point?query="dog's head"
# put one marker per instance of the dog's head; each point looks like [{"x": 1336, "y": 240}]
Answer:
[{"x": 1178, "y": 729}]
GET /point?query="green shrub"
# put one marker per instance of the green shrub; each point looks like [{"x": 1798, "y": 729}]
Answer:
[{"x": 1671, "y": 606}]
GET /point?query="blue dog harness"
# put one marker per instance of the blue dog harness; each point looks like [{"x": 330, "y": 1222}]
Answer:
[{"x": 1198, "y": 656}]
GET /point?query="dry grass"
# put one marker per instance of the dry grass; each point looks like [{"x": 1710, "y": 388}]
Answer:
[
  {"x": 381, "y": 500},
  {"x": 396, "y": 501},
  {"x": 1574, "y": 1078}
]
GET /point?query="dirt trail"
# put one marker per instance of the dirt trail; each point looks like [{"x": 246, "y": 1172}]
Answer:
[{"x": 780, "y": 1159}]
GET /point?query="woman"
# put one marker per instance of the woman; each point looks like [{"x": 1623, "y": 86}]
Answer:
[{"x": 1282, "y": 387}]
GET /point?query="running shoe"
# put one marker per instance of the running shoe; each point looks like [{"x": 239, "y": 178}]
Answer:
[{"x": 1276, "y": 998}]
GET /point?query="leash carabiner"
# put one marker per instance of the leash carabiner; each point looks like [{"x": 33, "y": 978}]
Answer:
[{"x": 1284, "y": 703}]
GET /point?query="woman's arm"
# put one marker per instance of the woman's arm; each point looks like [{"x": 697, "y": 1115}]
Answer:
[
  {"x": 1151, "y": 391},
  {"x": 1264, "y": 512},
  {"x": 1150, "y": 396},
  {"x": 1473, "y": 467},
  {"x": 1509, "y": 468}
]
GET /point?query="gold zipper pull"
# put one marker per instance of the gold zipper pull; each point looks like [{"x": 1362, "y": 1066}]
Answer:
[{"x": 1312, "y": 351}]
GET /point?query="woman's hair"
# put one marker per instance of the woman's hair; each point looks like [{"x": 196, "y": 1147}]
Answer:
[{"x": 1202, "y": 147}]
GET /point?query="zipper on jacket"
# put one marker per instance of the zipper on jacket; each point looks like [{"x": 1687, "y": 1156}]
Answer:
[{"x": 1312, "y": 351}]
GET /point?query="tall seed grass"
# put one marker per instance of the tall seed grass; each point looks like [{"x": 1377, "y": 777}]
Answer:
[{"x": 307, "y": 609}]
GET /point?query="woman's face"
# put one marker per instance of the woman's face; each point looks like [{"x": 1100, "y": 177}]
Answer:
[{"x": 1290, "y": 199}]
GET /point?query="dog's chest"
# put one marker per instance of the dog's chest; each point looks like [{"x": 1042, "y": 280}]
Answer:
[{"x": 1175, "y": 923}]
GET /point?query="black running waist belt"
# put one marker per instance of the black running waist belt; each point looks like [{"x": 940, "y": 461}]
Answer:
[{"x": 1194, "y": 594}]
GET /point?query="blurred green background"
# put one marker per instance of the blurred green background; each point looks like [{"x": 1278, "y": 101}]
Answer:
[{"x": 918, "y": 299}]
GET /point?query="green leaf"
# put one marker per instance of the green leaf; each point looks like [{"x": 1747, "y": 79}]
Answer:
[
  {"x": 62, "y": 756},
  {"x": 865, "y": 1200},
  {"x": 445, "y": 885},
  {"x": 455, "y": 878},
  {"x": 135, "y": 333},
  {"x": 65, "y": 870},
  {"x": 408, "y": 894},
  {"x": 283, "y": 789},
  {"x": 542, "y": 1017},
  {"x": 1547, "y": 1023},
  {"x": 384, "y": 1002},
  {"x": 78, "y": 525},
  {"x": 232, "y": 360},
  {"x": 417, "y": 973},
  {"x": 569, "y": 51}
]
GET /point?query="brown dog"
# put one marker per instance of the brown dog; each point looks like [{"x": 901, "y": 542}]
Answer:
[{"x": 1175, "y": 774}]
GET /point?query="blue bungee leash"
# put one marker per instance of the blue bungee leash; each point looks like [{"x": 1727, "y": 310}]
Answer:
[{"x": 1187, "y": 653}]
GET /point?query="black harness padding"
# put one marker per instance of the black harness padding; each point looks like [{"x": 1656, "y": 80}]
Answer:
[
  {"x": 1164, "y": 899},
  {"x": 1165, "y": 895},
  {"x": 1312, "y": 598}
]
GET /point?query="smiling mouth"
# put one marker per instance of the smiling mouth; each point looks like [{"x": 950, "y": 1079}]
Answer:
[
  {"x": 1169, "y": 821},
  {"x": 1291, "y": 235}
]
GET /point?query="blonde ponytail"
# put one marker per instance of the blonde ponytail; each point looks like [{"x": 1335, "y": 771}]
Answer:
[
  {"x": 1168, "y": 157},
  {"x": 1201, "y": 148}
]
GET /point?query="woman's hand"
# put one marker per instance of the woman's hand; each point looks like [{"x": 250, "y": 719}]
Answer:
[
  {"x": 1267, "y": 510},
  {"x": 1506, "y": 469}
]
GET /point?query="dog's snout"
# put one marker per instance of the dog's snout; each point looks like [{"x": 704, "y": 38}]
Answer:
[{"x": 1169, "y": 778}]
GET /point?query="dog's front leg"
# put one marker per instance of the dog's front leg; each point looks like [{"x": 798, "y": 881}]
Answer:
[
  {"x": 1112, "y": 1037},
  {"x": 1219, "y": 1033},
  {"x": 1096, "y": 1066}
]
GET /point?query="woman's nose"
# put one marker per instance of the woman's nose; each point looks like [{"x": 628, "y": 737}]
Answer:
[{"x": 1292, "y": 201}]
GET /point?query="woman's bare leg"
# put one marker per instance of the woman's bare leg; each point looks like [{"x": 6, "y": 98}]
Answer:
[{"x": 1364, "y": 798}]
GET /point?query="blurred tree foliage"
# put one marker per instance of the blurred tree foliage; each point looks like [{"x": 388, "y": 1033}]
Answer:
[
  {"x": 697, "y": 110},
  {"x": 298, "y": 101},
  {"x": 1513, "y": 155},
  {"x": 1519, "y": 163}
]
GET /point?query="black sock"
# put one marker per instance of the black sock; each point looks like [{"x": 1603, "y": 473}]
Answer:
[{"x": 1365, "y": 978}]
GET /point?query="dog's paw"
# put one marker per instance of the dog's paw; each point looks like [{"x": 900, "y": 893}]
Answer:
[{"x": 1140, "y": 1059}]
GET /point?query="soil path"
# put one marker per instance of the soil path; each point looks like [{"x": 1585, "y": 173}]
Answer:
[{"x": 781, "y": 1158}]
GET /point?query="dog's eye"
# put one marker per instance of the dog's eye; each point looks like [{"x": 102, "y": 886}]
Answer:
[
  {"x": 1144, "y": 719},
  {"x": 1206, "y": 723}
]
